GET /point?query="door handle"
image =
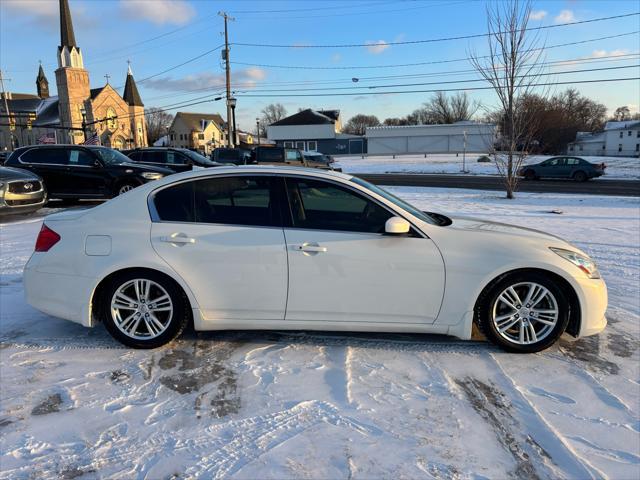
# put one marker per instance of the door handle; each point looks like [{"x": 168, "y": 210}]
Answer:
[
  {"x": 310, "y": 248},
  {"x": 178, "y": 238}
]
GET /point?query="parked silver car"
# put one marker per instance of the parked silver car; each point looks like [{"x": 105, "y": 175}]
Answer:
[{"x": 20, "y": 191}]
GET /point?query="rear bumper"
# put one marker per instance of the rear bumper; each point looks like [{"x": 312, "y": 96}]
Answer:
[{"x": 62, "y": 296}]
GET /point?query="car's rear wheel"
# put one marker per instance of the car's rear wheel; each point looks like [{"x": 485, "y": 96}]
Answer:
[
  {"x": 523, "y": 312},
  {"x": 144, "y": 309},
  {"x": 125, "y": 187},
  {"x": 580, "y": 176}
]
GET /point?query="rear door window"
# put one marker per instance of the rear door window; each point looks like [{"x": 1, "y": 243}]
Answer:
[
  {"x": 237, "y": 200},
  {"x": 271, "y": 155},
  {"x": 154, "y": 156},
  {"x": 135, "y": 156},
  {"x": 175, "y": 203},
  {"x": 80, "y": 158}
]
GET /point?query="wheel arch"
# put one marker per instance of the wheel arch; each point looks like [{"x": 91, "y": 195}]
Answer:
[
  {"x": 97, "y": 294},
  {"x": 575, "y": 316}
]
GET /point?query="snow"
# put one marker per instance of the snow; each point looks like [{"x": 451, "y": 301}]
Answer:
[
  {"x": 617, "y": 167},
  {"x": 74, "y": 403}
]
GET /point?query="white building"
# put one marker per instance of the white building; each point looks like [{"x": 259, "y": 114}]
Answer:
[
  {"x": 456, "y": 137},
  {"x": 619, "y": 139}
]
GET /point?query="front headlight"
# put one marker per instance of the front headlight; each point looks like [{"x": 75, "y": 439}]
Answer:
[
  {"x": 583, "y": 262},
  {"x": 152, "y": 175}
]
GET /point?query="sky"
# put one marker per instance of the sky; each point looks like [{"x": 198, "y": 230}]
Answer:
[{"x": 158, "y": 35}]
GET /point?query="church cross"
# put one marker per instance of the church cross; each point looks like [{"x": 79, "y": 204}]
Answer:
[{"x": 107, "y": 76}]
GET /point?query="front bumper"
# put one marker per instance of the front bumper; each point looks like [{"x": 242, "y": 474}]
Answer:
[
  {"x": 593, "y": 298},
  {"x": 16, "y": 203}
]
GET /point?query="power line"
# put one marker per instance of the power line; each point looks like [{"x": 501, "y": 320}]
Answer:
[
  {"x": 434, "y": 62},
  {"x": 348, "y": 94},
  {"x": 448, "y": 82},
  {"x": 433, "y": 40},
  {"x": 240, "y": 86}
]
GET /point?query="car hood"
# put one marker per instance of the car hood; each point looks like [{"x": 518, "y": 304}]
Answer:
[
  {"x": 143, "y": 168},
  {"x": 10, "y": 173},
  {"x": 471, "y": 224}
]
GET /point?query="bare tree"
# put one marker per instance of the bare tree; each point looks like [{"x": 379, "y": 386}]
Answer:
[
  {"x": 271, "y": 114},
  {"x": 442, "y": 109},
  {"x": 158, "y": 122},
  {"x": 358, "y": 124},
  {"x": 513, "y": 67},
  {"x": 622, "y": 114}
]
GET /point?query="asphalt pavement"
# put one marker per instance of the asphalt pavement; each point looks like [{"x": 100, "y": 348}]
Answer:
[{"x": 598, "y": 186}]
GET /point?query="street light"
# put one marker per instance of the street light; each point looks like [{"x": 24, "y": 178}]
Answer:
[
  {"x": 258, "y": 129},
  {"x": 83, "y": 112},
  {"x": 231, "y": 101}
]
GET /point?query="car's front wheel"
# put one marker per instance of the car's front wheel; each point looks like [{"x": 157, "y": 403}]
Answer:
[
  {"x": 530, "y": 175},
  {"x": 523, "y": 312},
  {"x": 124, "y": 188},
  {"x": 144, "y": 309}
]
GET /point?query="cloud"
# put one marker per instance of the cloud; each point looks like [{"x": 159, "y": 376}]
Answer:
[
  {"x": 377, "y": 47},
  {"x": 178, "y": 12},
  {"x": 594, "y": 55},
  {"x": 244, "y": 78},
  {"x": 565, "y": 16},
  {"x": 537, "y": 14},
  {"x": 45, "y": 14},
  {"x": 336, "y": 58}
]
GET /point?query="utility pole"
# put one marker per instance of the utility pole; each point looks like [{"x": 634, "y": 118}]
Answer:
[
  {"x": 6, "y": 108},
  {"x": 225, "y": 56}
]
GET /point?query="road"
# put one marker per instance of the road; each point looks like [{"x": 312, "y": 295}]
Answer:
[{"x": 478, "y": 182}]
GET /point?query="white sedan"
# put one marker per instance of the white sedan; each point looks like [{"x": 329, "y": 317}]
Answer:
[{"x": 290, "y": 248}]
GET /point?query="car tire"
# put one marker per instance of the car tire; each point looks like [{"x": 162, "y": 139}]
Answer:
[
  {"x": 124, "y": 188},
  {"x": 580, "y": 176},
  {"x": 530, "y": 175},
  {"x": 507, "y": 320},
  {"x": 144, "y": 309}
]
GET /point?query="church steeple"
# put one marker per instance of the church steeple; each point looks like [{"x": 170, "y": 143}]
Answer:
[
  {"x": 42, "y": 84},
  {"x": 131, "y": 95},
  {"x": 69, "y": 54},
  {"x": 67, "y": 38}
]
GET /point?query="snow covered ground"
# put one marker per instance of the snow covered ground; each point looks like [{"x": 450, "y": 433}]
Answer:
[
  {"x": 75, "y": 404},
  {"x": 617, "y": 167}
]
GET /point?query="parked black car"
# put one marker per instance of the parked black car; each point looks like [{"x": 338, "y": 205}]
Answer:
[
  {"x": 21, "y": 191},
  {"x": 76, "y": 171},
  {"x": 175, "y": 159},
  {"x": 237, "y": 156},
  {"x": 574, "y": 168}
]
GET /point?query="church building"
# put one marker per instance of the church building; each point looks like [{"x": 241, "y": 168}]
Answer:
[{"x": 79, "y": 113}]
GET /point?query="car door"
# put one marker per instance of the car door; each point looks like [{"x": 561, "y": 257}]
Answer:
[
  {"x": 223, "y": 236},
  {"x": 548, "y": 168},
  {"x": 178, "y": 162},
  {"x": 344, "y": 268},
  {"x": 156, "y": 158},
  {"x": 51, "y": 165},
  {"x": 87, "y": 176}
]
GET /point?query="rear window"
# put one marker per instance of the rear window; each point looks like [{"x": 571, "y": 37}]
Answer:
[
  {"x": 271, "y": 155},
  {"x": 55, "y": 156}
]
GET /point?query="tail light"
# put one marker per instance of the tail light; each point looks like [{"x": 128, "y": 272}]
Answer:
[{"x": 47, "y": 238}]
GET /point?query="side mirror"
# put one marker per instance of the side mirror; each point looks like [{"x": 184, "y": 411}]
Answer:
[{"x": 397, "y": 225}]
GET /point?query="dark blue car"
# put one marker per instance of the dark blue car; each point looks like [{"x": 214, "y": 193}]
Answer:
[{"x": 573, "y": 168}]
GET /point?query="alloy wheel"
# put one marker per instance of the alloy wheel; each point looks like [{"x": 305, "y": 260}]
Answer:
[
  {"x": 125, "y": 189},
  {"x": 525, "y": 313},
  {"x": 141, "y": 309}
]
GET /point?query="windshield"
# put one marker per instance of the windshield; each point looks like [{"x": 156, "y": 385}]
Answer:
[
  {"x": 397, "y": 201},
  {"x": 111, "y": 157},
  {"x": 196, "y": 157}
]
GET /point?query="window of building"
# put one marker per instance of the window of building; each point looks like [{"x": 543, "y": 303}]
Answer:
[
  {"x": 619, "y": 147},
  {"x": 171, "y": 137},
  {"x": 288, "y": 144},
  {"x": 621, "y": 134},
  {"x": 300, "y": 145},
  {"x": 637, "y": 147},
  {"x": 312, "y": 145},
  {"x": 201, "y": 136},
  {"x": 638, "y": 134},
  {"x": 629, "y": 133},
  {"x": 322, "y": 205},
  {"x": 580, "y": 147}
]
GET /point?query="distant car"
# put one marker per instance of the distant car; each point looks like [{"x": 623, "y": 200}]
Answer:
[
  {"x": 319, "y": 160},
  {"x": 77, "y": 171},
  {"x": 20, "y": 191},
  {"x": 175, "y": 159},
  {"x": 236, "y": 156},
  {"x": 278, "y": 156},
  {"x": 573, "y": 168}
]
